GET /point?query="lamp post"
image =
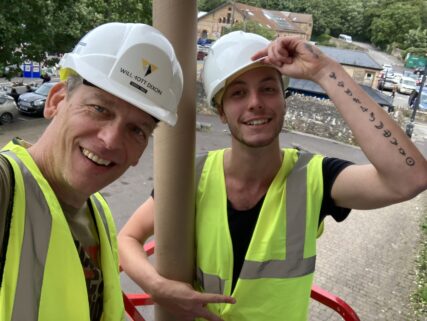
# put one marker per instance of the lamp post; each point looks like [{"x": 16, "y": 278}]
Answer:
[{"x": 410, "y": 125}]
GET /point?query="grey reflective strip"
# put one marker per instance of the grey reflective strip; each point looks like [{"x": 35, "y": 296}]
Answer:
[
  {"x": 211, "y": 283},
  {"x": 199, "y": 164},
  {"x": 296, "y": 207},
  {"x": 102, "y": 214},
  {"x": 35, "y": 244}
]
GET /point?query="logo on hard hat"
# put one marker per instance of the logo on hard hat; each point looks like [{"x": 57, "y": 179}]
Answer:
[{"x": 148, "y": 67}]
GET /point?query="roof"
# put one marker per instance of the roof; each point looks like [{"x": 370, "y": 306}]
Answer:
[
  {"x": 298, "y": 17},
  {"x": 276, "y": 20},
  {"x": 282, "y": 21},
  {"x": 351, "y": 57},
  {"x": 312, "y": 89}
]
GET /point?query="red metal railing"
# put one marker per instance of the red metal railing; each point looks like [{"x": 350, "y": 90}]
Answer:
[{"x": 131, "y": 301}]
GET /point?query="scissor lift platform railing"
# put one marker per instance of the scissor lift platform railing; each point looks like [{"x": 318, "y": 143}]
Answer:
[{"x": 132, "y": 301}]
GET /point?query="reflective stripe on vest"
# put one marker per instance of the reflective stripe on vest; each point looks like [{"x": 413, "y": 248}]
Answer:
[
  {"x": 34, "y": 253},
  {"x": 295, "y": 264}
]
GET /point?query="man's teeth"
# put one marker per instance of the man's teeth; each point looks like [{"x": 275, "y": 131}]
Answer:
[
  {"x": 96, "y": 159},
  {"x": 257, "y": 122}
]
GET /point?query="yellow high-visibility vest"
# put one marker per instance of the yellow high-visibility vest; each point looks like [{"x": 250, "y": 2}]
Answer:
[
  {"x": 43, "y": 277},
  {"x": 275, "y": 281}
]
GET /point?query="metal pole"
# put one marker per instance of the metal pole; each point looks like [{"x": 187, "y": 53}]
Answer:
[
  {"x": 174, "y": 153},
  {"x": 410, "y": 125}
]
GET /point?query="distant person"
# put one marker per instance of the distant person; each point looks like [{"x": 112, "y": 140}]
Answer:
[
  {"x": 58, "y": 246},
  {"x": 45, "y": 76},
  {"x": 14, "y": 94},
  {"x": 260, "y": 208}
]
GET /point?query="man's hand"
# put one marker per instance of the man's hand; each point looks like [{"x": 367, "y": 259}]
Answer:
[
  {"x": 295, "y": 58},
  {"x": 183, "y": 301}
]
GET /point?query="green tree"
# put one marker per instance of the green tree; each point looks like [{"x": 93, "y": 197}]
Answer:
[
  {"x": 393, "y": 23},
  {"x": 208, "y": 5},
  {"x": 416, "y": 38},
  {"x": 30, "y": 28}
]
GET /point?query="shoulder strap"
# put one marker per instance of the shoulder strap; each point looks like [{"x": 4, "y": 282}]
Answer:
[
  {"x": 8, "y": 217},
  {"x": 199, "y": 163}
]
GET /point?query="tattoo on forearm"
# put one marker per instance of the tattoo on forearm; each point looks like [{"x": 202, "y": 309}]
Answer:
[
  {"x": 312, "y": 50},
  {"x": 380, "y": 125},
  {"x": 372, "y": 118},
  {"x": 410, "y": 161},
  {"x": 402, "y": 151},
  {"x": 387, "y": 133},
  {"x": 394, "y": 141}
]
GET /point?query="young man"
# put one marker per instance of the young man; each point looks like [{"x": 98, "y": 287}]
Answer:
[
  {"x": 58, "y": 247},
  {"x": 259, "y": 208}
]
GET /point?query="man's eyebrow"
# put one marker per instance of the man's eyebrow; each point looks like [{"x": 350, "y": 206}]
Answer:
[
  {"x": 265, "y": 79},
  {"x": 100, "y": 99}
]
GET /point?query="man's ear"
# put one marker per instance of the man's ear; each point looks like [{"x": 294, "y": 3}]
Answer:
[{"x": 56, "y": 95}]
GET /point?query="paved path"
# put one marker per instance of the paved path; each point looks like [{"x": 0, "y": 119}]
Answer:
[{"x": 368, "y": 260}]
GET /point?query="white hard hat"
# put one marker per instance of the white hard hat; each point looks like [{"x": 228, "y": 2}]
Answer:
[
  {"x": 228, "y": 56},
  {"x": 132, "y": 61}
]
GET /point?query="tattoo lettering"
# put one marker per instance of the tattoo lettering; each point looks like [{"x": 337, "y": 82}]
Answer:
[
  {"x": 312, "y": 50},
  {"x": 340, "y": 83},
  {"x": 372, "y": 116},
  {"x": 402, "y": 151},
  {"x": 364, "y": 109},
  {"x": 387, "y": 133},
  {"x": 410, "y": 161},
  {"x": 332, "y": 75},
  {"x": 393, "y": 141},
  {"x": 356, "y": 100},
  {"x": 348, "y": 92},
  {"x": 380, "y": 125}
]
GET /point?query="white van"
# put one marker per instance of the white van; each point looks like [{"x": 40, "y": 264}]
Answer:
[
  {"x": 346, "y": 38},
  {"x": 407, "y": 85}
]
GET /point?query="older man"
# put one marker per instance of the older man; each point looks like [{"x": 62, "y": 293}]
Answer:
[{"x": 58, "y": 248}]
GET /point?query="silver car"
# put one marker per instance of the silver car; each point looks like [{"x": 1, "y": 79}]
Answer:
[{"x": 8, "y": 109}]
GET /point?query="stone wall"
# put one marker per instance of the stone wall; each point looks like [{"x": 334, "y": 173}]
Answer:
[{"x": 309, "y": 115}]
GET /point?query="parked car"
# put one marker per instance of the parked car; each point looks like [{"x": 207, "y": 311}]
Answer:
[
  {"x": 386, "y": 83},
  {"x": 407, "y": 85},
  {"x": 202, "y": 51},
  {"x": 346, "y": 38},
  {"x": 32, "y": 103},
  {"x": 8, "y": 110}
]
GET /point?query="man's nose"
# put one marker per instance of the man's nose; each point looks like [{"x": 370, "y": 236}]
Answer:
[
  {"x": 112, "y": 135},
  {"x": 254, "y": 100}
]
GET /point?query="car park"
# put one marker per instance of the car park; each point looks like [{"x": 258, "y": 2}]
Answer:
[
  {"x": 8, "y": 110},
  {"x": 406, "y": 85},
  {"x": 32, "y": 103}
]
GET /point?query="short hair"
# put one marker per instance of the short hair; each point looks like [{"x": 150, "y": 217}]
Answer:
[{"x": 73, "y": 81}]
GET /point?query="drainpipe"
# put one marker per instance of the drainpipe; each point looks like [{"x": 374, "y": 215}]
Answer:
[{"x": 174, "y": 149}]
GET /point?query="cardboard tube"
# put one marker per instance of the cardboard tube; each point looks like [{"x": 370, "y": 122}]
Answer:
[{"x": 174, "y": 153}]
